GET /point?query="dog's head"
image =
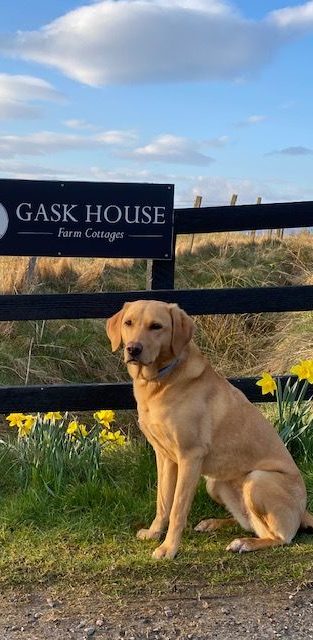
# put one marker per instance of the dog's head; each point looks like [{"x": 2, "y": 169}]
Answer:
[{"x": 151, "y": 331}]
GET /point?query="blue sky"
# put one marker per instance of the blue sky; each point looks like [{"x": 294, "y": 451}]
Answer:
[{"x": 211, "y": 95}]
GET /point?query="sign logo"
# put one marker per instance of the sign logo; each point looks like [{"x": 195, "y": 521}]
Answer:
[{"x": 4, "y": 220}]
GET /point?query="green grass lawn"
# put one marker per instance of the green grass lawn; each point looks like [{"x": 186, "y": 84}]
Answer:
[{"x": 85, "y": 537}]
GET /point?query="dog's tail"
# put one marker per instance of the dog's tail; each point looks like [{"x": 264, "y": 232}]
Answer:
[{"x": 307, "y": 520}]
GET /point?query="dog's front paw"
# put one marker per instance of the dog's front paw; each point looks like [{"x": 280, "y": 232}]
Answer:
[
  {"x": 164, "y": 551},
  {"x": 148, "y": 534}
]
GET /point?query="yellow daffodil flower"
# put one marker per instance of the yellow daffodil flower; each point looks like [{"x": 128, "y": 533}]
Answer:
[
  {"x": 15, "y": 419},
  {"x": 121, "y": 440},
  {"x": 105, "y": 416},
  {"x": 83, "y": 430},
  {"x": 53, "y": 415},
  {"x": 267, "y": 384},
  {"x": 72, "y": 427},
  {"x": 304, "y": 370},
  {"x": 24, "y": 429},
  {"x": 29, "y": 421},
  {"x": 103, "y": 436},
  {"x": 111, "y": 437}
]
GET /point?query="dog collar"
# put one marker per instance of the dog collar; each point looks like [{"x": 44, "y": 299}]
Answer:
[{"x": 167, "y": 369}]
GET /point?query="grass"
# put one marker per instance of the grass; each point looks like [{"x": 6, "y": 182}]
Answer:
[
  {"x": 85, "y": 537},
  {"x": 86, "y": 534},
  {"x": 78, "y": 351}
]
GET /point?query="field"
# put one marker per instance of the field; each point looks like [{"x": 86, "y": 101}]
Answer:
[
  {"x": 83, "y": 536},
  {"x": 72, "y": 351}
]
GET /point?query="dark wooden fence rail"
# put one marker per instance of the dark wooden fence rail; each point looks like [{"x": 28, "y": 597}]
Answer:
[{"x": 80, "y": 397}]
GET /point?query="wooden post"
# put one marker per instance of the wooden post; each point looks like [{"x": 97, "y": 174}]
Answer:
[
  {"x": 233, "y": 201},
  {"x": 30, "y": 269},
  {"x": 252, "y": 233},
  {"x": 197, "y": 204},
  {"x": 160, "y": 274},
  {"x": 270, "y": 234}
]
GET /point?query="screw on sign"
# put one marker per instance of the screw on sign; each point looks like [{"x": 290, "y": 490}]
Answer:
[{"x": 4, "y": 220}]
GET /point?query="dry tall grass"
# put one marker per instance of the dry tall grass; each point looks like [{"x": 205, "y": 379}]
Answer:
[{"x": 72, "y": 351}]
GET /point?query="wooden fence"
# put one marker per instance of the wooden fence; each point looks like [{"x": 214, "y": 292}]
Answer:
[{"x": 161, "y": 285}]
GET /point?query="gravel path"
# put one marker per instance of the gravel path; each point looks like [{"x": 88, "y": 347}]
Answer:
[{"x": 257, "y": 616}]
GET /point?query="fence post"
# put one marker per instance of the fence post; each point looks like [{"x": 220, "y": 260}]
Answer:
[
  {"x": 223, "y": 248},
  {"x": 252, "y": 233},
  {"x": 270, "y": 234},
  {"x": 161, "y": 273},
  {"x": 30, "y": 269},
  {"x": 197, "y": 204}
]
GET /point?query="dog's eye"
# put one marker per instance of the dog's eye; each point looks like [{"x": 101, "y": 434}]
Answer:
[
  {"x": 154, "y": 326},
  {"x": 128, "y": 323}
]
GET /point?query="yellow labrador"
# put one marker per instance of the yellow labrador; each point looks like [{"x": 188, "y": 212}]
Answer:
[{"x": 199, "y": 424}]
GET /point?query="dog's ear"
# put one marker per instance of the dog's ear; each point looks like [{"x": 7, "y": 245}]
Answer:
[
  {"x": 113, "y": 328},
  {"x": 183, "y": 328}
]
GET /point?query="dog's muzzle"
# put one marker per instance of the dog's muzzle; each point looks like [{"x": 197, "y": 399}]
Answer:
[{"x": 134, "y": 350}]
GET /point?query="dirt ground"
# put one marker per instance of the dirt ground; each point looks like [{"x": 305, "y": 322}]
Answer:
[{"x": 261, "y": 614}]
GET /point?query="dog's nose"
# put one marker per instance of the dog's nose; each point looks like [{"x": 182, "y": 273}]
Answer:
[{"x": 134, "y": 349}]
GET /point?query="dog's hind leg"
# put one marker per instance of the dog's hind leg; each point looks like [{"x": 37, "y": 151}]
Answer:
[
  {"x": 275, "y": 505},
  {"x": 306, "y": 521},
  {"x": 213, "y": 524},
  {"x": 230, "y": 496}
]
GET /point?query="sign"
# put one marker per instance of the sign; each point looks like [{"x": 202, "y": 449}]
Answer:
[{"x": 86, "y": 219}]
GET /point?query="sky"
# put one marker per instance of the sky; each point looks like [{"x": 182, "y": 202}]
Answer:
[{"x": 214, "y": 96}]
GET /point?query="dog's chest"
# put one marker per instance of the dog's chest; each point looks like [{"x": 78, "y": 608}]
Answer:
[{"x": 159, "y": 428}]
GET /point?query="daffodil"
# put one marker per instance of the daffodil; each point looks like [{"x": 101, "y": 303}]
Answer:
[
  {"x": 75, "y": 429},
  {"x": 53, "y": 415},
  {"x": 29, "y": 421},
  {"x": 267, "y": 384},
  {"x": 103, "y": 436},
  {"x": 15, "y": 419},
  {"x": 72, "y": 427},
  {"x": 25, "y": 429},
  {"x": 114, "y": 437},
  {"x": 105, "y": 416},
  {"x": 304, "y": 370},
  {"x": 82, "y": 429}
]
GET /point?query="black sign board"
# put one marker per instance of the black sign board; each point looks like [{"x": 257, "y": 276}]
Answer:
[{"x": 86, "y": 219}]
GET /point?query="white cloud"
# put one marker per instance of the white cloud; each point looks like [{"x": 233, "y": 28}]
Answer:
[
  {"x": 172, "y": 149},
  {"x": 298, "y": 18},
  {"x": 254, "y": 119},
  {"x": 46, "y": 142},
  {"x": 129, "y": 175},
  {"x": 117, "y": 137},
  {"x": 215, "y": 190},
  {"x": 25, "y": 171},
  {"x": 18, "y": 93},
  {"x": 76, "y": 123},
  {"x": 218, "y": 190},
  {"x": 292, "y": 151},
  {"x": 160, "y": 41},
  {"x": 217, "y": 142}
]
